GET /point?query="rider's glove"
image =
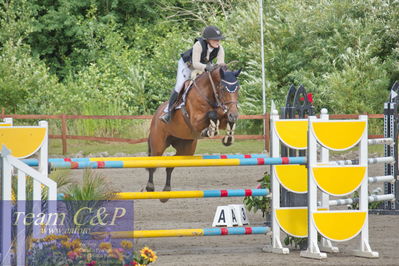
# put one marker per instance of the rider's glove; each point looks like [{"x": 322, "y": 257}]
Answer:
[{"x": 209, "y": 67}]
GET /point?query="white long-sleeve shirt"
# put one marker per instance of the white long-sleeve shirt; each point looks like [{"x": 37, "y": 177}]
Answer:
[{"x": 196, "y": 56}]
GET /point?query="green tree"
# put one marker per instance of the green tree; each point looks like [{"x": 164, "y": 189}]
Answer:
[{"x": 74, "y": 56}]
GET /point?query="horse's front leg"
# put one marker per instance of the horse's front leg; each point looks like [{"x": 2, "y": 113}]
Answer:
[
  {"x": 229, "y": 138},
  {"x": 213, "y": 129},
  {"x": 167, "y": 187}
]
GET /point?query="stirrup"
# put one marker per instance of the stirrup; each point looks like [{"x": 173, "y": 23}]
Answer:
[{"x": 165, "y": 117}]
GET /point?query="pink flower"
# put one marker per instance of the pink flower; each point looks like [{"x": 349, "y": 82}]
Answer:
[{"x": 72, "y": 255}]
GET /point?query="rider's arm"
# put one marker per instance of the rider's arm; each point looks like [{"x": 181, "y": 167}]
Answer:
[
  {"x": 196, "y": 57},
  {"x": 220, "y": 57}
]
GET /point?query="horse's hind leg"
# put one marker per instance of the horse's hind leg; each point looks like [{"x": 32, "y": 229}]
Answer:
[
  {"x": 150, "y": 183},
  {"x": 169, "y": 171},
  {"x": 183, "y": 147},
  {"x": 155, "y": 148},
  {"x": 167, "y": 186}
]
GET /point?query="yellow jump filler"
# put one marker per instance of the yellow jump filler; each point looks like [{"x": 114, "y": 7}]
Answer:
[
  {"x": 322, "y": 177},
  {"x": 291, "y": 133},
  {"x": 337, "y": 180}
]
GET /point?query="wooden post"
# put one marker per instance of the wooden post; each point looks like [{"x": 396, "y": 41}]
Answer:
[
  {"x": 3, "y": 112},
  {"x": 64, "y": 133}
]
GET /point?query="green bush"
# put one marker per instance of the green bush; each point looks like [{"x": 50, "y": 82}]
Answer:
[
  {"x": 121, "y": 56},
  {"x": 334, "y": 48},
  {"x": 263, "y": 203},
  {"x": 26, "y": 86}
]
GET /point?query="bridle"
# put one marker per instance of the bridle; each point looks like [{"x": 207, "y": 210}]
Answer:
[{"x": 220, "y": 103}]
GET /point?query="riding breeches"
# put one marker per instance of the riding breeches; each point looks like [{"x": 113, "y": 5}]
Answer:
[{"x": 183, "y": 74}]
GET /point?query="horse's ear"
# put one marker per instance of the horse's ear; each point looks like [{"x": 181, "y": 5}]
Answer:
[
  {"x": 221, "y": 73},
  {"x": 236, "y": 73}
]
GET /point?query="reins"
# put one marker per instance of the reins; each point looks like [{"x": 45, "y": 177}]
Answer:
[
  {"x": 215, "y": 105},
  {"x": 215, "y": 93},
  {"x": 204, "y": 96},
  {"x": 219, "y": 103}
]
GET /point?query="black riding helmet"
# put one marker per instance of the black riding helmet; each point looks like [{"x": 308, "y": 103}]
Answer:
[{"x": 212, "y": 33}]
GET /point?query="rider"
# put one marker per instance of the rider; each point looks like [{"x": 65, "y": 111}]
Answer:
[{"x": 199, "y": 57}]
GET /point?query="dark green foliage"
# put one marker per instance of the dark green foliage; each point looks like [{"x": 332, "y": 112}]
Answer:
[
  {"x": 296, "y": 242},
  {"x": 261, "y": 203},
  {"x": 68, "y": 34},
  {"x": 120, "y": 56}
]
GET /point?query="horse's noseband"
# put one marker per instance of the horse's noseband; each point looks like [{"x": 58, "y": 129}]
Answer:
[{"x": 230, "y": 87}]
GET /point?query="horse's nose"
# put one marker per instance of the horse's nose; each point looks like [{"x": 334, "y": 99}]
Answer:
[{"x": 232, "y": 117}]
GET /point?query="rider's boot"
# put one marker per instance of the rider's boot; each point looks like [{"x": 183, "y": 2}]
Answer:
[{"x": 166, "y": 117}]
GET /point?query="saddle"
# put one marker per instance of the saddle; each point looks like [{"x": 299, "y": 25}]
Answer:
[{"x": 181, "y": 98}]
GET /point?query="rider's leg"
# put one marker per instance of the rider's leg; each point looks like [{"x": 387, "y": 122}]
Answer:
[
  {"x": 183, "y": 73},
  {"x": 167, "y": 116}
]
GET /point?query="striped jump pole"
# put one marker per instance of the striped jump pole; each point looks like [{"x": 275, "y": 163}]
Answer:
[
  {"x": 34, "y": 162},
  {"x": 169, "y": 161},
  {"x": 180, "y": 163},
  {"x": 192, "y": 194},
  {"x": 58, "y": 161},
  {"x": 128, "y": 162},
  {"x": 223, "y": 231}
]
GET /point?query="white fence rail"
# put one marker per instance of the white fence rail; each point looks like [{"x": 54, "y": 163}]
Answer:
[{"x": 15, "y": 173}]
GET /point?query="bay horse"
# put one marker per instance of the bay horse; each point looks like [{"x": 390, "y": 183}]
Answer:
[{"x": 210, "y": 104}]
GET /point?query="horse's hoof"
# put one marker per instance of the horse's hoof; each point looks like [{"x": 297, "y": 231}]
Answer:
[
  {"x": 150, "y": 187},
  {"x": 228, "y": 140},
  {"x": 208, "y": 133},
  {"x": 205, "y": 133},
  {"x": 165, "y": 189}
]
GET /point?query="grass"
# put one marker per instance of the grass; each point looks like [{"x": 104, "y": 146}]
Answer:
[
  {"x": 240, "y": 146},
  {"x": 87, "y": 147},
  {"x": 204, "y": 146}
]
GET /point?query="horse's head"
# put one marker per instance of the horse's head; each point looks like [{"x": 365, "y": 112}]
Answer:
[{"x": 227, "y": 87}]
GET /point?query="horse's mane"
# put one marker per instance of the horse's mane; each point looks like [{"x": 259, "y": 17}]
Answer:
[{"x": 205, "y": 74}]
